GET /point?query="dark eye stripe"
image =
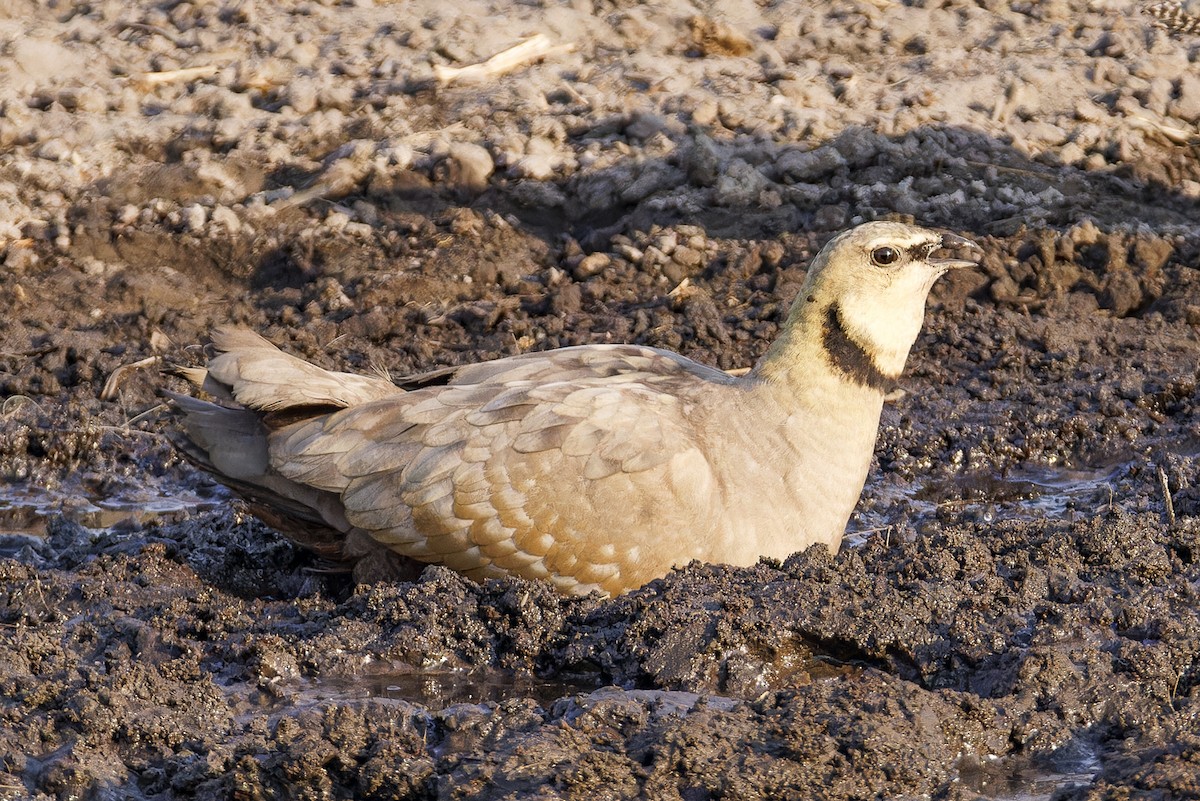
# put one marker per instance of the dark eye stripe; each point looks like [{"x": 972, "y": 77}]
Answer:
[{"x": 922, "y": 251}]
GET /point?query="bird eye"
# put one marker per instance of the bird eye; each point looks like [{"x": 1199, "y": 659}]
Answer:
[{"x": 884, "y": 256}]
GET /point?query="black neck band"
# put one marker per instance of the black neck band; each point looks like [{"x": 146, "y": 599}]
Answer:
[{"x": 848, "y": 356}]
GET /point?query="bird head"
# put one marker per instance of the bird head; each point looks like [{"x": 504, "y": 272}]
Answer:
[{"x": 867, "y": 289}]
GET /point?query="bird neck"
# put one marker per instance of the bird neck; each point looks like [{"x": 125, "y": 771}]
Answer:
[{"x": 820, "y": 350}]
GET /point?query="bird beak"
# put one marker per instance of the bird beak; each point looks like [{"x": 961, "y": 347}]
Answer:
[{"x": 956, "y": 242}]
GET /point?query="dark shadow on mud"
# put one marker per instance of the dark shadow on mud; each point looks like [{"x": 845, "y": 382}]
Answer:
[
  {"x": 739, "y": 186},
  {"x": 732, "y": 186}
]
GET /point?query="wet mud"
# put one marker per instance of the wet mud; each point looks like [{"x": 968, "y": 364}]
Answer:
[{"x": 1018, "y": 614}]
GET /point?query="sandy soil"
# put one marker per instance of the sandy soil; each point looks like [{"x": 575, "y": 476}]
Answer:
[{"x": 1022, "y": 614}]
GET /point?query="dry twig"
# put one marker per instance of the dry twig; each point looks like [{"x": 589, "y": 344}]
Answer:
[
  {"x": 1167, "y": 501},
  {"x": 116, "y": 377},
  {"x": 148, "y": 79},
  {"x": 532, "y": 49},
  {"x": 1177, "y": 136}
]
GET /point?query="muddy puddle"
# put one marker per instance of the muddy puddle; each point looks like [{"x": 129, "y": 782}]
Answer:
[
  {"x": 431, "y": 689},
  {"x": 1021, "y": 494},
  {"x": 24, "y": 509},
  {"x": 1012, "y": 780}
]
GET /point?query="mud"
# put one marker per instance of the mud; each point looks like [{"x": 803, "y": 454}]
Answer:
[{"x": 1019, "y": 614}]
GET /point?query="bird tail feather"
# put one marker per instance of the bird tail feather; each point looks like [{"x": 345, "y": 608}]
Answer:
[{"x": 257, "y": 375}]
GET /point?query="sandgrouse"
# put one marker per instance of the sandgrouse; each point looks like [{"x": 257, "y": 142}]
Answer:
[{"x": 597, "y": 467}]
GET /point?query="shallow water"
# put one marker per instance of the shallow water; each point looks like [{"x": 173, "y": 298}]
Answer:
[
  {"x": 435, "y": 689},
  {"x": 1020, "y": 780},
  {"x": 1035, "y": 492},
  {"x": 25, "y": 508},
  {"x": 1028, "y": 493}
]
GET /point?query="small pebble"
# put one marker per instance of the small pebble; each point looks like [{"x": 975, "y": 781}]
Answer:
[
  {"x": 194, "y": 217},
  {"x": 592, "y": 264},
  {"x": 469, "y": 165},
  {"x": 226, "y": 218}
]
